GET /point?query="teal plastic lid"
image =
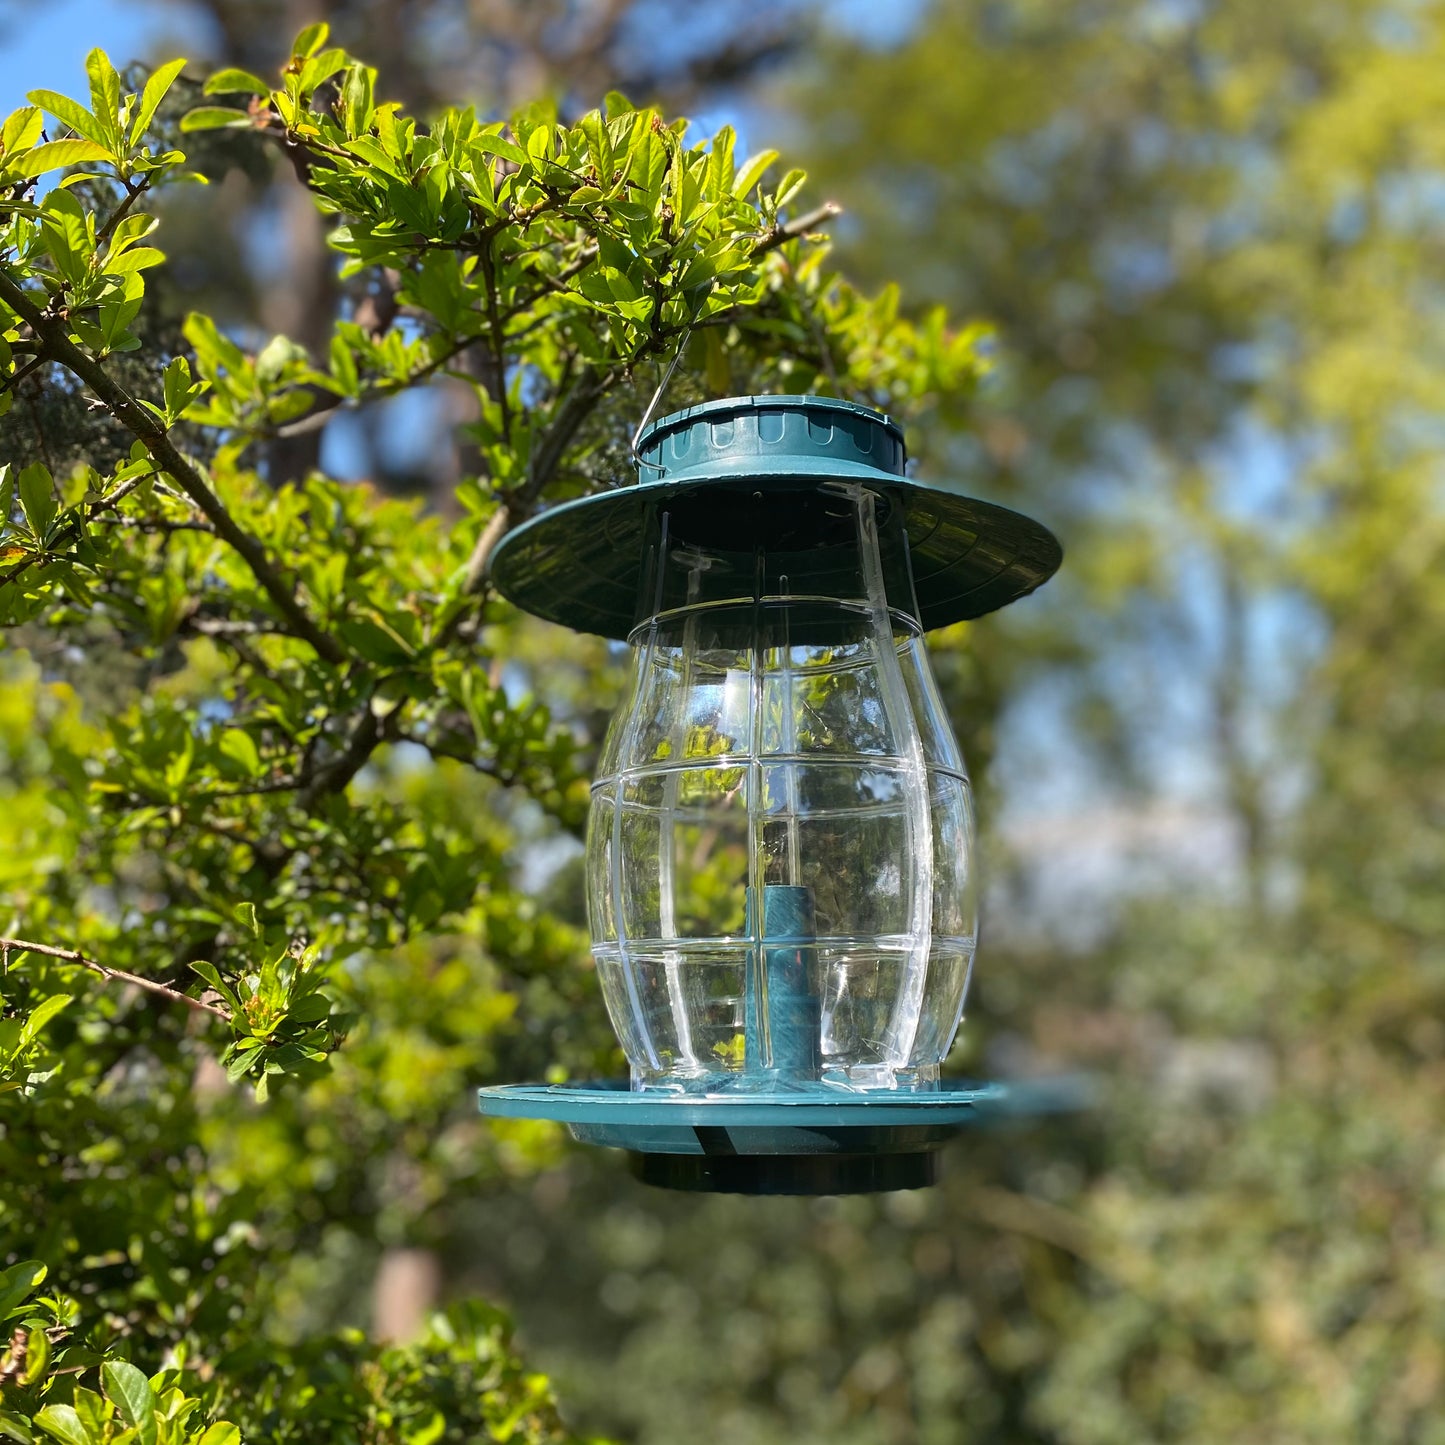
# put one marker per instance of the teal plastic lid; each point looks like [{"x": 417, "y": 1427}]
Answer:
[
  {"x": 746, "y": 469},
  {"x": 772, "y": 436}
]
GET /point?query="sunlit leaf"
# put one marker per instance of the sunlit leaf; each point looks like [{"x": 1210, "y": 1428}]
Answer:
[
  {"x": 57, "y": 153},
  {"x": 215, "y": 117}
]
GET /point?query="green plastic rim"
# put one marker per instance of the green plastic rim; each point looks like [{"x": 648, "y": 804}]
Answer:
[
  {"x": 812, "y": 1140},
  {"x": 578, "y": 564},
  {"x": 611, "y": 1103}
]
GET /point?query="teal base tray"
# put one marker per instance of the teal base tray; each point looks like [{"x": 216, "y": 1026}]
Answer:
[{"x": 808, "y": 1141}]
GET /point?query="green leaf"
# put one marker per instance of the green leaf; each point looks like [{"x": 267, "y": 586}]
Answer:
[
  {"x": 232, "y": 81},
  {"x": 274, "y": 358},
  {"x": 178, "y": 766},
  {"x": 37, "y": 497},
  {"x": 369, "y": 149},
  {"x": 41, "y": 1015},
  {"x": 214, "y": 117},
  {"x": 92, "y": 1410},
  {"x": 72, "y": 113},
  {"x": 61, "y": 1422},
  {"x": 159, "y": 82},
  {"x": 130, "y": 230},
  {"x": 751, "y": 172},
  {"x": 321, "y": 68},
  {"x": 358, "y": 98},
  {"x": 498, "y": 145},
  {"x": 22, "y": 129},
  {"x": 214, "y": 350},
  {"x": 131, "y": 1392},
  {"x": 245, "y": 913},
  {"x": 105, "y": 94},
  {"x": 212, "y": 976},
  {"x": 12, "y": 1427},
  {"x": 221, "y": 1433},
  {"x": 310, "y": 40},
  {"x": 375, "y": 643},
  {"x": 310, "y": 1010},
  {"x": 68, "y": 233},
  {"x": 430, "y": 1432},
  {"x": 136, "y": 259},
  {"x": 247, "y": 1054},
  {"x": 240, "y": 747},
  {"x": 18, "y": 1282},
  {"x": 57, "y": 153},
  {"x": 179, "y": 389},
  {"x": 120, "y": 308},
  {"x": 792, "y": 183},
  {"x": 37, "y": 1357},
  {"x": 343, "y": 367}
]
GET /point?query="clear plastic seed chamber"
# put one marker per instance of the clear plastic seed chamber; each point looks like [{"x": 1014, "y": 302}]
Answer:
[
  {"x": 780, "y": 881},
  {"x": 781, "y": 884}
]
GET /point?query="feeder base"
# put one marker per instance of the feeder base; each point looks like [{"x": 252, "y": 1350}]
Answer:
[
  {"x": 816, "y": 1140},
  {"x": 786, "y": 1173}
]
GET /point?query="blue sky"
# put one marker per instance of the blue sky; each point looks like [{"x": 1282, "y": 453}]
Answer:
[{"x": 43, "y": 45}]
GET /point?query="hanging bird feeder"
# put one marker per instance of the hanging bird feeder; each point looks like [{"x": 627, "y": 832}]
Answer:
[{"x": 781, "y": 881}]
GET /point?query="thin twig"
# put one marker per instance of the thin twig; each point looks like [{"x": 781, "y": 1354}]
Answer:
[
  {"x": 16, "y": 377},
  {"x": 825, "y": 351},
  {"x": 1036, "y": 1218},
  {"x": 558, "y": 282},
  {"x": 124, "y": 490},
  {"x": 327, "y": 403},
  {"x": 132, "y": 194},
  {"x": 498, "y": 342},
  {"x": 508, "y": 777},
  {"x": 336, "y": 772},
  {"x": 498, "y": 525},
  {"x": 69, "y": 955},
  {"x": 156, "y": 440},
  {"x": 155, "y": 524},
  {"x": 828, "y": 211},
  {"x": 229, "y": 627}
]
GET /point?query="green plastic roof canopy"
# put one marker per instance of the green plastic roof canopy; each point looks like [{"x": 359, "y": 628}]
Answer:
[{"x": 751, "y": 467}]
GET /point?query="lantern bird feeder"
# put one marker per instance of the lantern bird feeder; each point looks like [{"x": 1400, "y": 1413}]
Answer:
[{"x": 781, "y": 882}]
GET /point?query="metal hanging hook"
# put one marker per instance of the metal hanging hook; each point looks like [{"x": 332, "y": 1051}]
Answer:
[{"x": 632, "y": 452}]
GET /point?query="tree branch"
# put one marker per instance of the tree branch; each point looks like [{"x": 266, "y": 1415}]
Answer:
[
  {"x": 540, "y": 469},
  {"x": 828, "y": 211},
  {"x": 498, "y": 525},
  {"x": 573, "y": 412},
  {"x": 336, "y": 773},
  {"x": 16, "y": 377},
  {"x": 132, "y": 194},
  {"x": 488, "y": 769},
  {"x": 69, "y": 955},
  {"x": 52, "y": 333}
]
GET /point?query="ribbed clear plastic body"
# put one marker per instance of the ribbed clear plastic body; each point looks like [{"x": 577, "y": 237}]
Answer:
[{"x": 780, "y": 849}]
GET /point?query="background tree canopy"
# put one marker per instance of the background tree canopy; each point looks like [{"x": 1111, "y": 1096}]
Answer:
[{"x": 291, "y": 803}]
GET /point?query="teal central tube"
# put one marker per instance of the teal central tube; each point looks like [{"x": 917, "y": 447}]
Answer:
[{"x": 782, "y": 1009}]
